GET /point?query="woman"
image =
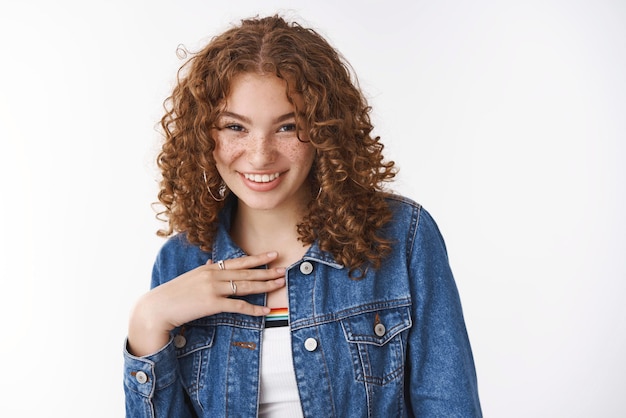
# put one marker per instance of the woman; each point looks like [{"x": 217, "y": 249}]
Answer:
[{"x": 292, "y": 284}]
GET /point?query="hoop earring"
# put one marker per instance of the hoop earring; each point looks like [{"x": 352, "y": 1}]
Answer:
[
  {"x": 319, "y": 192},
  {"x": 221, "y": 191}
]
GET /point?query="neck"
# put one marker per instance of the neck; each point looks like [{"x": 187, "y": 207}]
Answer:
[{"x": 257, "y": 231}]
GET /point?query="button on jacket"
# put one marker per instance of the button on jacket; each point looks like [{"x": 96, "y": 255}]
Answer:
[{"x": 393, "y": 344}]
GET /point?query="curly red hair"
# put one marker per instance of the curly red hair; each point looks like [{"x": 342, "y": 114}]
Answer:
[{"x": 349, "y": 170}]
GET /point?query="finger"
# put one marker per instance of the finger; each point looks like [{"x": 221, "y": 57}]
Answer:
[
  {"x": 220, "y": 278},
  {"x": 243, "y": 307},
  {"x": 251, "y": 287},
  {"x": 249, "y": 261},
  {"x": 253, "y": 274}
]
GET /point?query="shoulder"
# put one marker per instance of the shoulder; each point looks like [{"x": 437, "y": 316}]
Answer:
[
  {"x": 400, "y": 204},
  {"x": 176, "y": 256},
  {"x": 403, "y": 206},
  {"x": 176, "y": 245},
  {"x": 411, "y": 218},
  {"x": 394, "y": 198},
  {"x": 404, "y": 210}
]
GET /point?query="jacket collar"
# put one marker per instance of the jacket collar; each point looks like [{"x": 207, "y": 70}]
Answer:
[{"x": 224, "y": 247}]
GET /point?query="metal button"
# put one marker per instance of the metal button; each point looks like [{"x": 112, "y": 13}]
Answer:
[
  {"x": 310, "y": 344},
  {"x": 180, "y": 341},
  {"x": 379, "y": 330},
  {"x": 306, "y": 268},
  {"x": 141, "y": 377}
]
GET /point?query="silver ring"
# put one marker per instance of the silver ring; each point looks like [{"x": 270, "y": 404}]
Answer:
[
  {"x": 233, "y": 286},
  {"x": 221, "y": 265}
]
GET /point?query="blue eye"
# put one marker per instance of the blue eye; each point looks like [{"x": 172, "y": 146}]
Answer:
[{"x": 234, "y": 127}]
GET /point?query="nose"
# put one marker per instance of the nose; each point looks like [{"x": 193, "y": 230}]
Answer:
[{"x": 261, "y": 150}]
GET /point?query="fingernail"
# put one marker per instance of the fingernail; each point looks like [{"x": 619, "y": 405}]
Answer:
[
  {"x": 272, "y": 254},
  {"x": 281, "y": 269}
]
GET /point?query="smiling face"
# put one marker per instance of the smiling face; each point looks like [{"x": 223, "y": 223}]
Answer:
[{"x": 257, "y": 153}]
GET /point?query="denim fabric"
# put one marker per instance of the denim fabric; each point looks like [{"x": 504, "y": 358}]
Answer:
[{"x": 393, "y": 344}]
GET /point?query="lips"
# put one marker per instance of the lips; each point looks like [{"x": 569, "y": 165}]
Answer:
[{"x": 261, "y": 178}]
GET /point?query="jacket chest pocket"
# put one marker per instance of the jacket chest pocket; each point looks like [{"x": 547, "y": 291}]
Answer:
[
  {"x": 377, "y": 342},
  {"x": 193, "y": 345}
]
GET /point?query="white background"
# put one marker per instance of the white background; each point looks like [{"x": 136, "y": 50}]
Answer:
[{"x": 506, "y": 118}]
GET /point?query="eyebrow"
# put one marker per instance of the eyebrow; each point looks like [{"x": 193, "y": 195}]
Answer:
[{"x": 286, "y": 116}]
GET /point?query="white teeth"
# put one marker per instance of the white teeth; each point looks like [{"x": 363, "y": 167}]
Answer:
[{"x": 261, "y": 178}]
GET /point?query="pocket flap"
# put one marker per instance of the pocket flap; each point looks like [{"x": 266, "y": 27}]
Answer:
[
  {"x": 376, "y": 327},
  {"x": 188, "y": 338}
]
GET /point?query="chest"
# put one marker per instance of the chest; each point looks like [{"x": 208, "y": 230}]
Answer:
[{"x": 279, "y": 297}]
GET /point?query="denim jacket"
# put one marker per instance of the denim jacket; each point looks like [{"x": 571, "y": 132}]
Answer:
[{"x": 393, "y": 344}]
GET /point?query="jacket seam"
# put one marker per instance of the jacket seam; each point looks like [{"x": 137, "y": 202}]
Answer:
[{"x": 347, "y": 313}]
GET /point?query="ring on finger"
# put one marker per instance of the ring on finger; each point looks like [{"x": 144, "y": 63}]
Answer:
[
  {"x": 233, "y": 287},
  {"x": 221, "y": 265}
]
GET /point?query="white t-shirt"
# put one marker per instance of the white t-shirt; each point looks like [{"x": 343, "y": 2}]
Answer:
[{"x": 279, "y": 396}]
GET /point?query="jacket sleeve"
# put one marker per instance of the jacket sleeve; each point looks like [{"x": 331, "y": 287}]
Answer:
[
  {"x": 441, "y": 376},
  {"x": 152, "y": 387}
]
